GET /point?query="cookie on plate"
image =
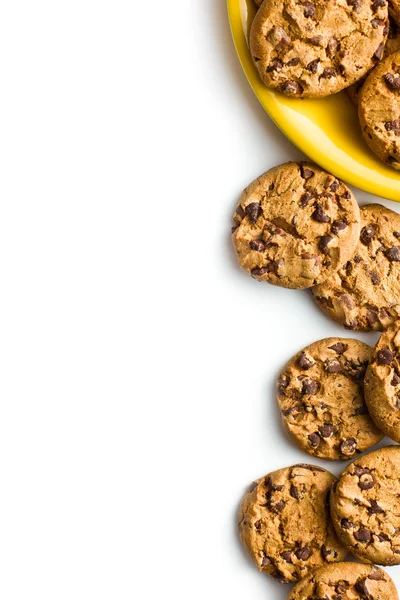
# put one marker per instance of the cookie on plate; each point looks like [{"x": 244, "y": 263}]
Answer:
[
  {"x": 382, "y": 383},
  {"x": 295, "y": 225},
  {"x": 284, "y": 522},
  {"x": 365, "y": 507},
  {"x": 316, "y": 48},
  {"x": 364, "y": 295},
  {"x": 392, "y": 45},
  {"x": 379, "y": 110},
  {"x": 321, "y": 398},
  {"x": 346, "y": 581}
]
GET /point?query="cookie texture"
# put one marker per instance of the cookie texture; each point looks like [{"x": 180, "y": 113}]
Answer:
[
  {"x": 365, "y": 507},
  {"x": 321, "y": 398},
  {"x": 269, "y": 518},
  {"x": 379, "y": 110},
  {"x": 346, "y": 581},
  {"x": 312, "y": 49},
  {"x": 364, "y": 295},
  {"x": 295, "y": 225},
  {"x": 394, "y": 10},
  {"x": 392, "y": 45},
  {"x": 382, "y": 383}
]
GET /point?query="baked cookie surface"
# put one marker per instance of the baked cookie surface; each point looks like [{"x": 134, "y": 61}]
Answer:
[
  {"x": 269, "y": 518},
  {"x": 321, "y": 398},
  {"x": 317, "y": 48},
  {"x": 382, "y": 383},
  {"x": 364, "y": 295},
  {"x": 295, "y": 225},
  {"x": 346, "y": 581},
  {"x": 365, "y": 507},
  {"x": 379, "y": 110}
]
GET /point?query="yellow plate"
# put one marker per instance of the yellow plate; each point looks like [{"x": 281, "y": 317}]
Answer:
[{"x": 326, "y": 130}]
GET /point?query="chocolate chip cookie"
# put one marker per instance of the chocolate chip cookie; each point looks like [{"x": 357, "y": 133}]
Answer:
[
  {"x": 346, "y": 581},
  {"x": 364, "y": 295},
  {"x": 392, "y": 45},
  {"x": 284, "y": 522},
  {"x": 321, "y": 398},
  {"x": 312, "y": 49},
  {"x": 295, "y": 225},
  {"x": 382, "y": 383},
  {"x": 365, "y": 507},
  {"x": 379, "y": 110}
]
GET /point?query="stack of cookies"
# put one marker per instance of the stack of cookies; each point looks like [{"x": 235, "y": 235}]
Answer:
[
  {"x": 312, "y": 49},
  {"x": 299, "y": 227}
]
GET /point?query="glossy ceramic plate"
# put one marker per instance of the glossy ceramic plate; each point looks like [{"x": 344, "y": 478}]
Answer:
[{"x": 326, "y": 130}]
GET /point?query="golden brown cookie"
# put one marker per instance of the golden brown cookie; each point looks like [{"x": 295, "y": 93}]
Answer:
[
  {"x": 382, "y": 383},
  {"x": 394, "y": 10},
  {"x": 295, "y": 226},
  {"x": 365, "y": 507},
  {"x": 379, "y": 110},
  {"x": 345, "y": 581},
  {"x": 392, "y": 45},
  {"x": 284, "y": 522},
  {"x": 312, "y": 49},
  {"x": 364, "y": 295},
  {"x": 321, "y": 398}
]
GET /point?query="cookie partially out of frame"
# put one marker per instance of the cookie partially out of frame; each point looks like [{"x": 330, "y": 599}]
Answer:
[
  {"x": 312, "y": 49},
  {"x": 365, "y": 507},
  {"x": 321, "y": 398},
  {"x": 346, "y": 581},
  {"x": 364, "y": 295},
  {"x": 284, "y": 523},
  {"x": 382, "y": 383},
  {"x": 295, "y": 226}
]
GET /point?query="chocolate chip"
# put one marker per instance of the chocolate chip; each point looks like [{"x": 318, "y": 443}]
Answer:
[
  {"x": 351, "y": 325},
  {"x": 279, "y": 577},
  {"x": 294, "y": 492},
  {"x": 334, "y": 186},
  {"x": 233, "y": 229},
  {"x": 377, "y": 576},
  {"x": 278, "y": 507},
  {"x": 355, "y": 4},
  {"x": 379, "y": 51},
  {"x": 303, "y": 553},
  {"x": 309, "y": 387},
  {"x": 348, "y": 447},
  {"x": 252, "y": 486},
  {"x": 393, "y": 126},
  {"x": 240, "y": 211},
  {"x": 293, "y": 62},
  {"x": 346, "y": 524},
  {"x": 304, "y": 363},
  {"x": 366, "y": 481},
  {"x": 396, "y": 234},
  {"x": 306, "y": 173},
  {"x": 339, "y": 347},
  {"x": 282, "y": 384},
  {"x": 332, "y": 365},
  {"x": 258, "y": 525},
  {"x": 310, "y": 467},
  {"x": 266, "y": 561},
  {"x": 315, "y": 439},
  {"x": 375, "y": 277},
  {"x": 290, "y": 411},
  {"x": 319, "y": 215},
  {"x": 327, "y": 430},
  {"x": 254, "y": 210},
  {"x": 362, "y": 535},
  {"x": 346, "y": 195},
  {"x": 378, "y": 4},
  {"x": 325, "y": 552},
  {"x": 291, "y": 88},
  {"x": 342, "y": 586},
  {"x": 260, "y": 271},
  {"x": 367, "y": 234},
  {"x": 313, "y": 66},
  {"x": 361, "y": 587},
  {"x": 278, "y": 38},
  {"x": 309, "y": 9},
  {"x": 395, "y": 380},
  {"x": 393, "y": 254},
  {"x": 332, "y": 47},
  {"x": 287, "y": 556},
  {"x": 357, "y": 259},
  {"x": 258, "y": 245},
  {"x": 338, "y": 226},
  {"x": 374, "y": 508},
  {"x": 329, "y": 72},
  {"x": 324, "y": 242},
  {"x": 378, "y": 23},
  {"x": 316, "y": 40},
  {"x": 276, "y": 65},
  {"x": 392, "y": 81},
  {"x": 305, "y": 199},
  {"x": 384, "y": 356}
]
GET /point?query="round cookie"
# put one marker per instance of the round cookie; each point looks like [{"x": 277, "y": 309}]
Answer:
[
  {"x": 346, "y": 581},
  {"x": 379, "y": 110},
  {"x": 382, "y": 383},
  {"x": 392, "y": 46},
  {"x": 321, "y": 398},
  {"x": 269, "y": 522},
  {"x": 312, "y": 49},
  {"x": 364, "y": 295},
  {"x": 295, "y": 225},
  {"x": 365, "y": 507}
]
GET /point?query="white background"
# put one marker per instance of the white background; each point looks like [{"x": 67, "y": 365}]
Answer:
[{"x": 137, "y": 360}]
